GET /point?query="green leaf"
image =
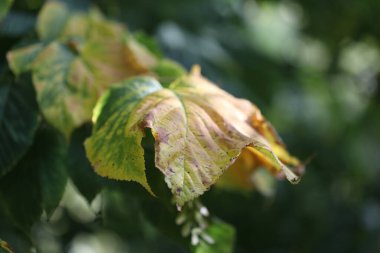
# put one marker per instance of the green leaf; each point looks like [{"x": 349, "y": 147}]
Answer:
[
  {"x": 20, "y": 193},
  {"x": 51, "y": 20},
  {"x": 112, "y": 132},
  {"x": 51, "y": 152},
  {"x": 199, "y": 131},
  {"x": 222, "y": 235},
  {"x": 18, "y": 120},
  {"x": 4, "y": 7},
  {"x": 79, "y": 168},
  {"x": 38, "y": 180}
]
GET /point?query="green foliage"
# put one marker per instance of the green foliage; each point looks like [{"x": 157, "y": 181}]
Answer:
[
  {"x": 198, "y": 129},
  {"x": 19, "y": 120},
  {"x": 50, "y": 167},
  {"x": 316, "y": 80},
  {"x": 66, "y": 76},
  {"x": 37, "y": 182}
]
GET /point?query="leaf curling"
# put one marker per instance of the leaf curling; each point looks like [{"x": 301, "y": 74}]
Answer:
[{"x": 199, "y": 131}]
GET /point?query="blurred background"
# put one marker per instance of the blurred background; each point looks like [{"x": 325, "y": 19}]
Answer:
[{"x": 313, "y": 69}]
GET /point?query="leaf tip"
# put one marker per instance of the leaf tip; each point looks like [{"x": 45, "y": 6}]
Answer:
[{"x": 290, "y": 175}]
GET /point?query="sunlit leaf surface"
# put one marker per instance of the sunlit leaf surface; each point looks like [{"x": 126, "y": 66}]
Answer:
[{"x": 198, "y": 128}]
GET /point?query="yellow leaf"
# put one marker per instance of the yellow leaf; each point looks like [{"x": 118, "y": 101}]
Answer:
[
  {"x": 241, "y": 174},
  {"x": 199, "y": 131}
]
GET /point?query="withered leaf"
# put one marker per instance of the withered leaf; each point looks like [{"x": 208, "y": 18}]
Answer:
[
  {"x": 199, "y": 131},
  {"x": 244, "y": 173}
]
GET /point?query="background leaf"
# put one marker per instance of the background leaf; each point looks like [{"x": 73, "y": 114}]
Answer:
[
  {"x": 37, "y": 182},
  {"x": 50, "y": 150},
  {"x": 21, "y": 60},
  {"x": 51, "y": 20},
  {"x": 18, "y": 119},
  {"x": 64, "y": 85},
  {"x": 79, "y": 55},
  {"x": 20, "y": 193}
]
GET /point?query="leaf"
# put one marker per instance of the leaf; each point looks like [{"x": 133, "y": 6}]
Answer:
[
  {"x": 114, "y": 148},
  {"x": 262, "y": 126},
  {"x": 20, "y": 194},
  {"x": 18, "y": 120},
  {"x": 81, "y": 173},
  {"x": 79, "y": 55},
  {"x": 247, "y": 173},
  {"x": 20, "y": 60},
  {"x": 51, "y": 20},
  {"x": 37, "y": 182},
  {"x": 198, "y": 128},
  {"x": 223, "y": 236},
  {"x": 244, "y": 173},
  {"x": 51, "y": 154},
  {"x": 64, "y": 87},
  {"x": 238, "y": 175},
  {"x": 4, "y": 7}
]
